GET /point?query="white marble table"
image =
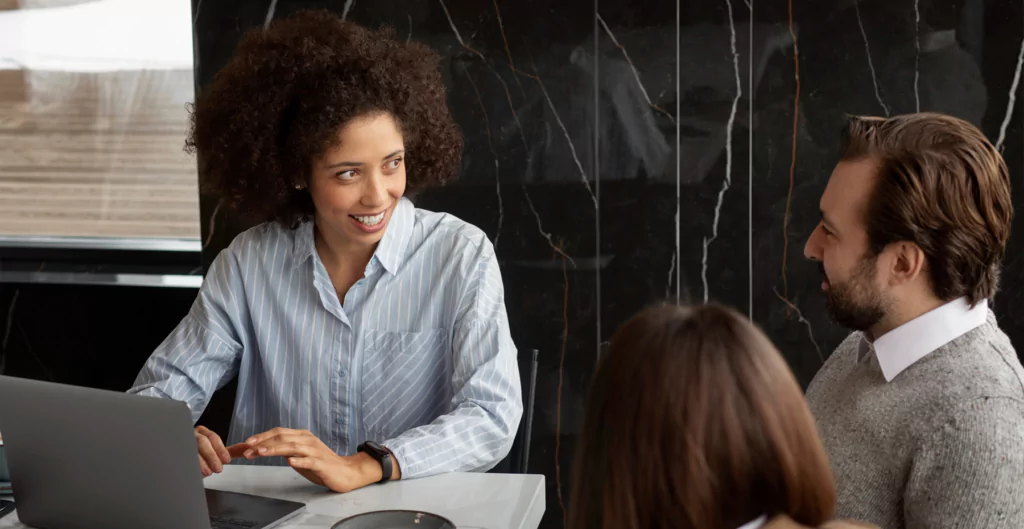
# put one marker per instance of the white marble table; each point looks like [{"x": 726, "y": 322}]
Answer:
[{"x": 471, "y": 501}]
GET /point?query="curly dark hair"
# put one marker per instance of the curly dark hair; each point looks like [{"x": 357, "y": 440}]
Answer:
[{"x": 280, "y": 101}]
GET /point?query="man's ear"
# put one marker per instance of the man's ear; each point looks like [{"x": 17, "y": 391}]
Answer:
[{"x": 908, "y": 263}]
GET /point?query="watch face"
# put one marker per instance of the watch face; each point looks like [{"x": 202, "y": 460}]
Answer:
[{"x": 375, "y": 447}]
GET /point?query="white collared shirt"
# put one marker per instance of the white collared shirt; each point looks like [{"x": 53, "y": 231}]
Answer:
[
  {"x": 754, "y": 524},
  {"x": 899, "y": 348},
  {"x": 417, "y": 355}
]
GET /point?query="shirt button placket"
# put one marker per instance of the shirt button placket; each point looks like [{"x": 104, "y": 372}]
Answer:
[{"x": 340, "y": 410}]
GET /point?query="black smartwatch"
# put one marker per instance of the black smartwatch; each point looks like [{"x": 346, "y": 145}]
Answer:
[{"x": 382, "y": 456}]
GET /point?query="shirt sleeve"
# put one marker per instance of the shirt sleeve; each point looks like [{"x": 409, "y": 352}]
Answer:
[
  {"x": 202, "y": 353},
  {"x": 969, "y": 473},
  {"x": 487, "y": 402}
]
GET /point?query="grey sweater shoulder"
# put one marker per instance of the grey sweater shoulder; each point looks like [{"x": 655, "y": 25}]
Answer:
[{"x": 941, "y": 445}]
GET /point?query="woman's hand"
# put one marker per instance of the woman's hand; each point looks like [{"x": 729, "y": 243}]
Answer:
[
  {"x": 311, "y": 458},
  {"x": 213, "y": 455}
]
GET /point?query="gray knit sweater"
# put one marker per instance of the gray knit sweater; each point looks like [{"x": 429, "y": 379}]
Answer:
[{"x": 940, "y": 446}]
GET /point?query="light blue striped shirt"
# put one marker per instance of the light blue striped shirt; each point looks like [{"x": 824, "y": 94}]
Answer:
[{"x": 418, "y": 356}]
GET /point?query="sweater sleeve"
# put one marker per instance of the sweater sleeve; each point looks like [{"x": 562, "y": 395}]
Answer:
[{"x": 968, "y": 473}]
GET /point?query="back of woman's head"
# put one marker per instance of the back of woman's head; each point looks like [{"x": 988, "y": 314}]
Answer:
[{"x": 695, "y": 421}]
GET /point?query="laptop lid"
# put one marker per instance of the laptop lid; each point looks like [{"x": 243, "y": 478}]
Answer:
[{"x": 83, "y": 458}]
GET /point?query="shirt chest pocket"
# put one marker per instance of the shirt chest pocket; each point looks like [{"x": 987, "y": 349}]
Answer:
[{"x": 406, "y": 380}]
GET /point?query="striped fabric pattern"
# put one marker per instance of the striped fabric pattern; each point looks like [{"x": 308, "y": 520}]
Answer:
[{"x": 418, "y": 356}]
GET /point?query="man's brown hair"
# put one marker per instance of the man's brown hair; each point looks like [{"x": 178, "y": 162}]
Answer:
[
  {"x": 695, "y": 421},
  {"x": 942, "y": 186}
]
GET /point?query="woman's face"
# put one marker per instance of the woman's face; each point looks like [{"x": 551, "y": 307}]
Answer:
[{"x": 357, "y": 183}]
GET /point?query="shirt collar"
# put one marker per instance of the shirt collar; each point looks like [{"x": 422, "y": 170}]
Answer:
[
  {"x": 391, "y": 249},
  {"x": 899, "y": 348},
  {"x": 302, "y": 243}
]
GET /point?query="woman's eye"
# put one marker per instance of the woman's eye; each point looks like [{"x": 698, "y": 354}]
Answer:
[
  {"x": 346, "y": 175},
  {"x": 394, "y": 164}
]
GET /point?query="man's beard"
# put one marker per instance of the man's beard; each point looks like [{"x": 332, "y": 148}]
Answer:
[{"x": 856, "y": 303}]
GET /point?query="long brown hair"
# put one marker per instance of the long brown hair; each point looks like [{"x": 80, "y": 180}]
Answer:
[{"x": 694, "y": 421}]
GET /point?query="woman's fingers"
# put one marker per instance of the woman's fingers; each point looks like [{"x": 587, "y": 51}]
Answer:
[
  {"x": 208, "y": 454},
  {"x": 216, "y": 443},
  {"x": 203, "y": 467},
  {"x": 304, "y": 463},
  {"x": 237, "y": 450},
  {"x": 283, "y": 445},
  {"x": 260, "y": 437}
]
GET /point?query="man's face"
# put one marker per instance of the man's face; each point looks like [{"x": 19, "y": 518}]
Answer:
[{"x": 851, "y": 276}]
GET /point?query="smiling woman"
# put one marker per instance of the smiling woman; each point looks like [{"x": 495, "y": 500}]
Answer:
[
  {"x": 353, "y": 198},
  {"x": 278, "y": 108},
  {"x": 369, "y": 337}
]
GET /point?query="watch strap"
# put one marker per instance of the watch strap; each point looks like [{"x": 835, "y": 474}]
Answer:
[{"x": 382, "y": 456}]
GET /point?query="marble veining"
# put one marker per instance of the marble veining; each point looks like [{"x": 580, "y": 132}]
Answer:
[
  {"x": 270, "y": 13},
  {"x": 211, "y": 225},
  {"x": 1012, "y": 99},
  {"x": 598, "y": 334},
  {"x": 727, "y": 181},
  {"x": 784, "y": 297},
  {"x": 750, "y": 166},
  {"x": 497, "y": 164},
  {"x": 636, "y": 74},
  {"x": 540, "y": 226},
  {"x": 679, "y": 150},
  {"x": 504, "y": 40},
  {"x": 917, "y": 55},
  {"x": 7, "y": 329},
  {"x": 871, "y": 62}
]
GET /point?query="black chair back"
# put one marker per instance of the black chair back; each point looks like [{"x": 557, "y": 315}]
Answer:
[{"x": 518, "y": 459}]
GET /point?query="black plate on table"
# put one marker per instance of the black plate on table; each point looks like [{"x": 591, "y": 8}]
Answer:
[{"x": 395, "y": 520}]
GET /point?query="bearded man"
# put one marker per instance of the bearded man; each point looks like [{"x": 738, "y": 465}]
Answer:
[{"x": 921, "y": 408}]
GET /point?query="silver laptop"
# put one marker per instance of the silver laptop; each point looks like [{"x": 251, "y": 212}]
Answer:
[{"x": 84, "y": 458}]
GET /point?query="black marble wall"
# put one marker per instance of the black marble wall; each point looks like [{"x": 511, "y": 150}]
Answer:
[
  {"x": 623, "y": 153},
  {"x": 93, "y": 336}
]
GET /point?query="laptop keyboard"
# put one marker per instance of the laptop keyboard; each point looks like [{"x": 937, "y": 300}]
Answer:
[{"x": 230, "y": 523}]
